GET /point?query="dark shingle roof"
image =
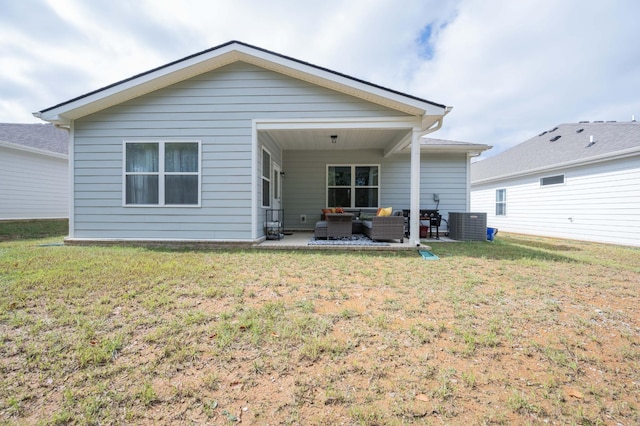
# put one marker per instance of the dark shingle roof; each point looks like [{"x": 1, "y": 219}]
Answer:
[
  {"x": 45, "y": 137},
  {"x": 565, "y": 143}
]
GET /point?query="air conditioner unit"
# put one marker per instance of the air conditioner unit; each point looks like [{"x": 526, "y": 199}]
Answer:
[{"x": 468, "y": 226}]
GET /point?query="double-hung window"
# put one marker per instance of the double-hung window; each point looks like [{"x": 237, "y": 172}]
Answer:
[
  {"x": 501, "y": 202},
  {"x": 353, "y": 186},
  {"x": 163, "y": 173}
]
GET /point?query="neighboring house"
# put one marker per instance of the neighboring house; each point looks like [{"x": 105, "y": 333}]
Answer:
[
  {"x": 578, "y": 181},
  {"x": 34, "y": 172},
  {"x": 199, "y": 149}
]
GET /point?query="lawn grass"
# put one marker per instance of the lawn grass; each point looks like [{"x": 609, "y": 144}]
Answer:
[
  {"x": 524, "y": 330},
  {"x": 32, "y": 229}
]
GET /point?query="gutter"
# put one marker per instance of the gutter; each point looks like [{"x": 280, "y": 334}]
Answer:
[
  {"x": 32, "y": 150},
  {"x": 59, "y": 122}
]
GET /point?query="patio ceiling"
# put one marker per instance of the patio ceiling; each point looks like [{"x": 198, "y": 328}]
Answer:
[{"x": 348, "y": 139}]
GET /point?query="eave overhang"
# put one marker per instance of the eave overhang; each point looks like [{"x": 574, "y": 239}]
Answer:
[{"x": 472, "y": 149}]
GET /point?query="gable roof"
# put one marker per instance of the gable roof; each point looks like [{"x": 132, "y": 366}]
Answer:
[
  {"x": 562, "y": 146},
  {"x": 44, "y": 138},
  {"x": 225, "y": 54}
]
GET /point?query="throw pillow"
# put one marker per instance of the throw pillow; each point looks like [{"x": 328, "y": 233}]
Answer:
[
  {"x": 385, "y": 211},
  {"x": 325, "y": 212}
]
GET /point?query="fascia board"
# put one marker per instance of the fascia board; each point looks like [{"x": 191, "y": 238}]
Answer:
[{"x": 472, "y": 149}]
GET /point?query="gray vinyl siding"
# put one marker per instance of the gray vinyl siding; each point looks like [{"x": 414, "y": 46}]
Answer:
[
  {"x": 305, "y": 182},
  {"x": 33, "y": 185},
  {"x": 598, "y": 202},
  {"x": 215, "y": 108}
]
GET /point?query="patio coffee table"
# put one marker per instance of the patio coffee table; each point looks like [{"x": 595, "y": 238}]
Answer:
[{"x": 339, "y": 225}]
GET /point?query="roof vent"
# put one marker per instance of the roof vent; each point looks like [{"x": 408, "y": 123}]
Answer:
[
  {"x": 555, "y": 138},
  {"x": 543, "y": 133},
  {"x": 600, "y": 121},
  {"x": 579, "y": 130},
  {"x": 591, "y": 142},
  {"x": 583, "y": 121},
  {"x": 553, "y": 130}
]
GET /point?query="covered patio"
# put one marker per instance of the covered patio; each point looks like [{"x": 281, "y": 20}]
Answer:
[{"x": 304, "y": 152}]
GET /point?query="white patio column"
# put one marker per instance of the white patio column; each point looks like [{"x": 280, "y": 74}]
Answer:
[{"x": 414, "y": 224}]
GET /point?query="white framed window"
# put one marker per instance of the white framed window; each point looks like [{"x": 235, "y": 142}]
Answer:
[
  {"x": 162, "y": 173},
  {"x": 552, "y": 180},
  {"x": 353, "y": 185},
  {"x": 501, "y": 202},
  {"x": 266, "y": 178}
]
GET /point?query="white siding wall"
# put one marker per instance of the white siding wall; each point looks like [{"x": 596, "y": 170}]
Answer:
[
  {"x": 598, "y": 203},
  {"x": 32, "y": 185},
  {"x": 305, "y": 182},
  {"x": 216, "y": 108}
]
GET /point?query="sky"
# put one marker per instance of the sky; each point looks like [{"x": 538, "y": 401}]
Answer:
[{"x": 509, "y": 68}]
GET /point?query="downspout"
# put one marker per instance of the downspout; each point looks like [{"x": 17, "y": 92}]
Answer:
[{"x": 414, "y": 224}]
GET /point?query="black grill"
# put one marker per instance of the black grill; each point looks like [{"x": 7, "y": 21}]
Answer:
[{"x": 434, "y": 219}]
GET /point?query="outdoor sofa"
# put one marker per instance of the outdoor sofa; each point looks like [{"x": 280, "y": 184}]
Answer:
[
  {"x": 361, "y": 221},
  {"x": 384, "y": 228}
]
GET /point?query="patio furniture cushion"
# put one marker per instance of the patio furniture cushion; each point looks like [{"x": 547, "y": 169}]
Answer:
[
  {"x": 367, "y": 215},
  {"x": 321, "y": 229},
  {"x": 384, "y": 228}
]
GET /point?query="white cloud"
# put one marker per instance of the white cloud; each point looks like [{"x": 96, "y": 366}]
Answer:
[{"x": 509, "y": 69}]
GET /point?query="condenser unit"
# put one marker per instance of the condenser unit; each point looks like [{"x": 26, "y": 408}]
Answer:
[{"x": 468, "y": 226}]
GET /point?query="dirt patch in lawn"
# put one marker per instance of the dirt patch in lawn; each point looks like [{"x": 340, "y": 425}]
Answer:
[{"x": 521, "y": 331}]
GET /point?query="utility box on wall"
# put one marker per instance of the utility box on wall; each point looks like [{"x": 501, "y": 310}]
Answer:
[{"x": 468, "y": 226}]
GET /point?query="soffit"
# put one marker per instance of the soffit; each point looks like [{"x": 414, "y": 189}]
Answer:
[
  {"x": 348, "y": 139},
  {"x": 362, "y": 139}
]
